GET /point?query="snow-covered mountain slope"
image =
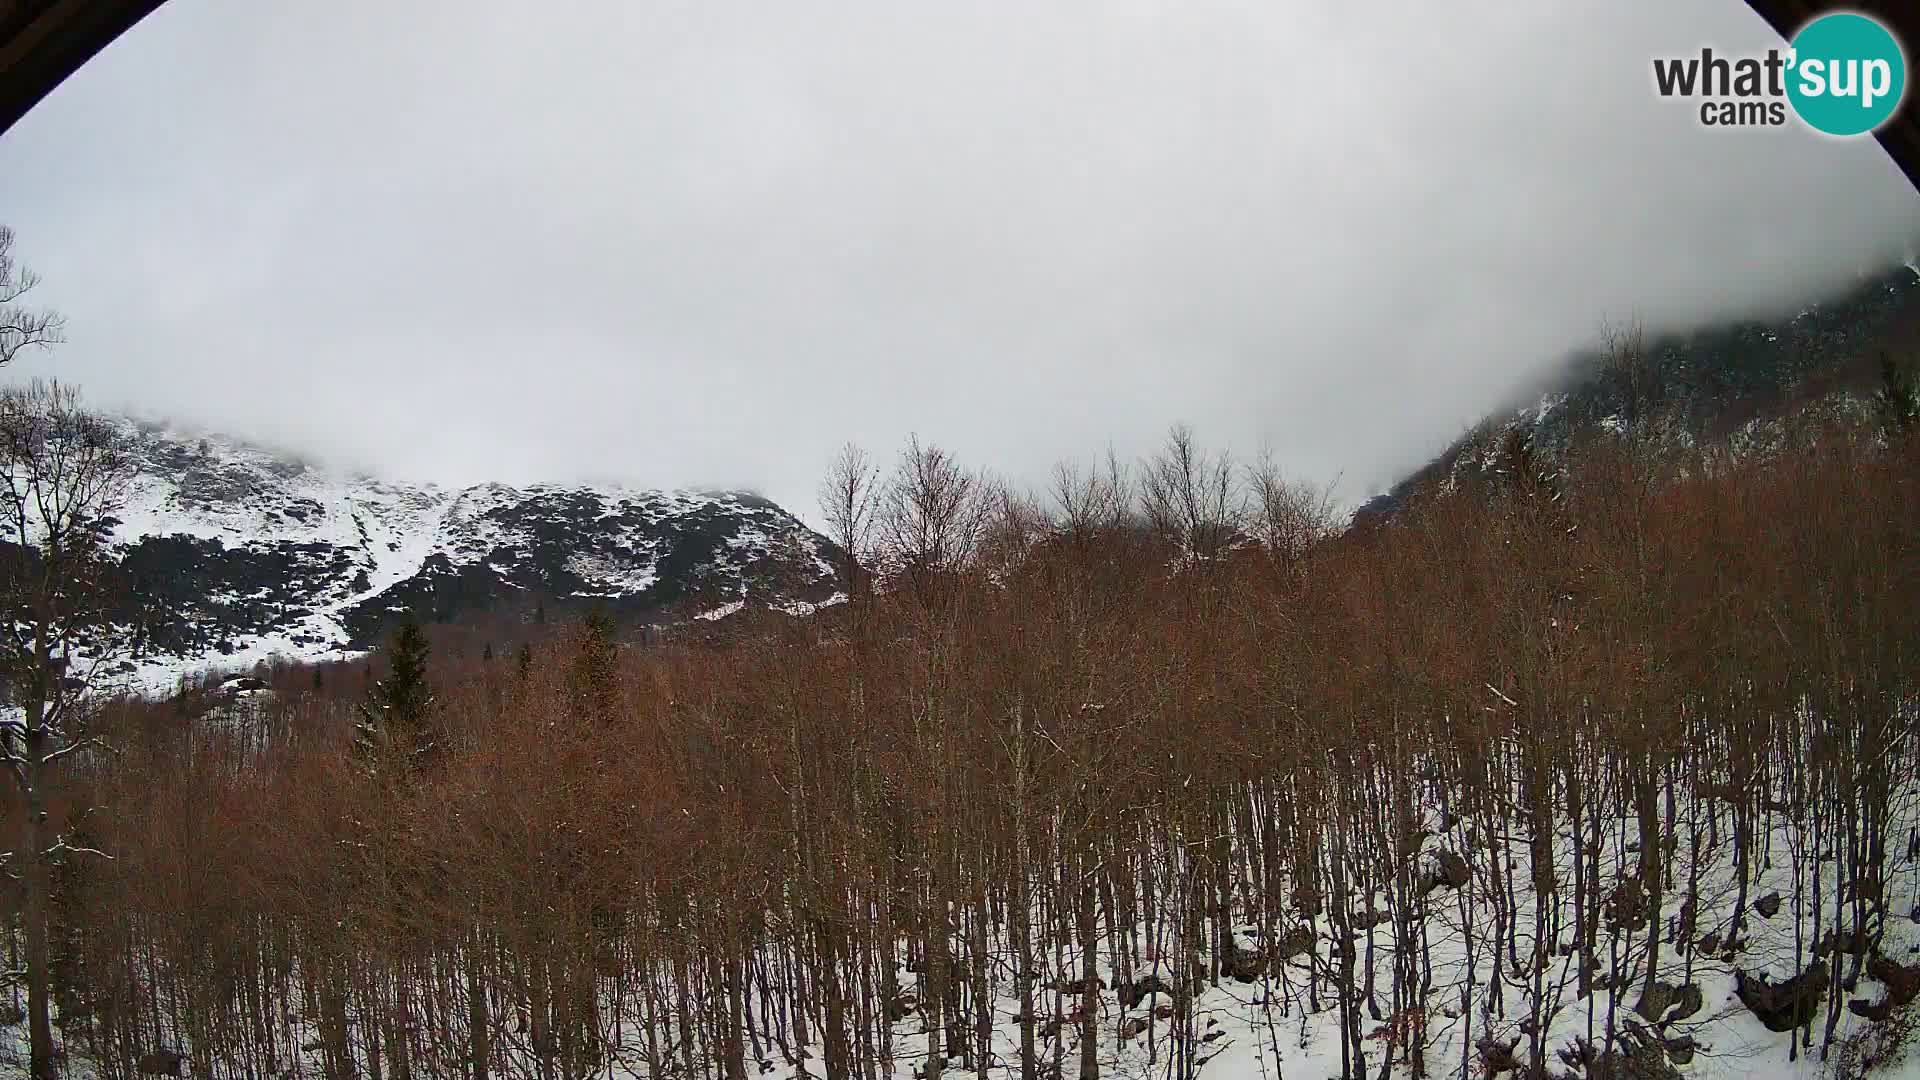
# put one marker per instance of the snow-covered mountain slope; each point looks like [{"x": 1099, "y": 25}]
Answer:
[
  {"x": 1742, "y": 385},
  {"x": 232, "y": 554}
]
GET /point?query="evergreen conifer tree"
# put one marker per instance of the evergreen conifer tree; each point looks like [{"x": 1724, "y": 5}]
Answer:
[
  {"x": 594, "y": 662},
  {"x": 1899, "y": 397},
  {"x": 396, "y": 719}
]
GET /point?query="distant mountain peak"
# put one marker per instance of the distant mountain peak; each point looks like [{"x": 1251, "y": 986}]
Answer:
[
  {"x": 1735, "y": 383},
  {"x": 234, "y": 553}
]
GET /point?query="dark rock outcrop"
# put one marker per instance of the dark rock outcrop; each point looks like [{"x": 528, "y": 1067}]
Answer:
[
  {"x": 227, "y": 552},
  {"x": 1782, "y": 1006},
  {"x": 1446, "y": 869}
]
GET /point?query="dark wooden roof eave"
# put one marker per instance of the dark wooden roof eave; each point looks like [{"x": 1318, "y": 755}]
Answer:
[{"x": 44, "y": 41}]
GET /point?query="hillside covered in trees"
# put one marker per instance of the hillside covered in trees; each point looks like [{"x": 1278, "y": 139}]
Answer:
[
  {"x": 1596, "y": 767},
  {"x": 1745, "y": 383}
]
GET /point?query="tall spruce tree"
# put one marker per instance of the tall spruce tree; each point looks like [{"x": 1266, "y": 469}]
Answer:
[
  {"x": 396, "y": 721},
  {"x": 1899, "y": 397},
  {"x": 593, "y": 668}
]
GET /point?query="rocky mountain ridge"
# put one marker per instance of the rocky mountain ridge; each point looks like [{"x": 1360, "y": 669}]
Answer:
[
  {"x": 231, "y": 554},
  {"x": 1742, "y": 384}
]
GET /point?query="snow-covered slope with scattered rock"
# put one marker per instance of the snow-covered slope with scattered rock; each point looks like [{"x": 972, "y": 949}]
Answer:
[
  {"x": 233, "y": 554},
  {"x": 1745, "y": 385}
]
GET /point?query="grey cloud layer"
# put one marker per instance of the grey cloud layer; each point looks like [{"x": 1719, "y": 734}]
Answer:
[{"x": 705, "y": 242}]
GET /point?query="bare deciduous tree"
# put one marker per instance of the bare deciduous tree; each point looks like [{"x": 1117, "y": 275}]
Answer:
[
  {"x": 1632, "y": 371},
  {"x": 850, "y": 500},
  {"x": 63, "y": 471},
  {"x": 1090, "y": 503},
  {"x": 1287, "y": 517},
  {"x": 931, "y": 517},
  {"x": 1190, "y": 496},
  {"x": 21, "y": 327}
]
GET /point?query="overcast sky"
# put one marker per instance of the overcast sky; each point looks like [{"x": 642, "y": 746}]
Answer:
[{"x": 705, "y": 242}]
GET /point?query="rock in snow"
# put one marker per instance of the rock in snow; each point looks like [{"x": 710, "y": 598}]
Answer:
[{"x": 232, "y": 554}]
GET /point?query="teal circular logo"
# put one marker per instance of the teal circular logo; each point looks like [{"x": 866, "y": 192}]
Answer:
[{"x": 1847, "y": 74}]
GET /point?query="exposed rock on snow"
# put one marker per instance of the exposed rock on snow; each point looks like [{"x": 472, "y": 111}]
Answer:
[
  {"x": 1667, "y": 1002},
  {"x": 1785, "y": 1005},
  {"x": 161, "y": 1063},
  {"x": 232, "y": 554},
  {"x": 1445, "y": 869},
  {"x": 1142, "y": 988}
]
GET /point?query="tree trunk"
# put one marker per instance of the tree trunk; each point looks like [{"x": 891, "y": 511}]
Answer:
[
  {"x": 476, "y": 1008},
  {"x": 1090, "y": 985},
  {"x": 40, "y": 1023}
]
